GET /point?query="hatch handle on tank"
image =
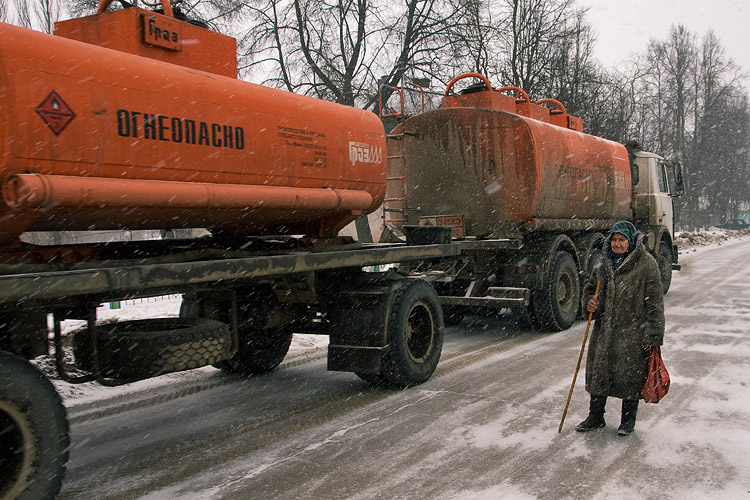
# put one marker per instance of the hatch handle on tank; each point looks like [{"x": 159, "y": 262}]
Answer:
[
  {"x": 558, "y": 109},
  {"x": 521, "y": 94},
  {"x": 467, "y": 75},
  {"x": 164, "y": 4}
]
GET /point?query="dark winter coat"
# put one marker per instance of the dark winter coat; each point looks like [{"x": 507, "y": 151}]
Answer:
[{"x": 630, "y": 314}]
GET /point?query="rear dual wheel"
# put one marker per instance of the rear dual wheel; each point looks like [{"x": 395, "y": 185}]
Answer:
[
  {"x": 259, "y": 350},
  {"x": 555, "y": 306}
]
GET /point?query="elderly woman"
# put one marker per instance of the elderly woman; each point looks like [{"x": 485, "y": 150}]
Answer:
[{"x": 629, "y": 314}]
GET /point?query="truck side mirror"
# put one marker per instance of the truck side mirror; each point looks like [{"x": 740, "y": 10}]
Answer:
[
  {"x": 679, "y": 185},
  {"x": 634, "y": 172}
]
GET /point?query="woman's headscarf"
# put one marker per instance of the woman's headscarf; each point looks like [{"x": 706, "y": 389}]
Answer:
[{"x": 627, "y": 229}]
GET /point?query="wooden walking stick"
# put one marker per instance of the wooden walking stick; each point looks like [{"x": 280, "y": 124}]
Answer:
[{"x": 580, "y": 356}]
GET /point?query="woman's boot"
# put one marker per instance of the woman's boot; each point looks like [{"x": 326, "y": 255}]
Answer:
[
  {"x": 627, "y": 422},
  {"x": 595, "y": 420}
]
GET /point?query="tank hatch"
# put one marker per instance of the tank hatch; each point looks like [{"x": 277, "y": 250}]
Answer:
[{"x": 163, "y": 37}]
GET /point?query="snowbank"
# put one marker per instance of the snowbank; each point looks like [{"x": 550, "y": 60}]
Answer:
[{"x": 688, "y": 241}]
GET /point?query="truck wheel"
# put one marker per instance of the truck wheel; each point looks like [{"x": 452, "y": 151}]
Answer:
[
  {"x": 665, "y": 266},
  {"x": 259, "y": 351},
  {"x": 34, "y": 437},
  {"x": 415, "y": 329},
  {"x": 556, "y": 305},
  {"x": 138, "y": 349}
]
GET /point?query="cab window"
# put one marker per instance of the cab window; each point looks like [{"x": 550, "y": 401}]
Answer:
[{"x": 663, "y": 186}]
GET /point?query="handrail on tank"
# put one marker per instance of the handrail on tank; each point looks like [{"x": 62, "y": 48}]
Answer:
[
  {"x": 561, "y": 109},
  {"x": 467, "y": 75},
  {"x": 401, "y": 100},
  {"x": 164, "y": 4},
  {"x": 519, "y": 92},
  {"x": 397, "y": 114}
]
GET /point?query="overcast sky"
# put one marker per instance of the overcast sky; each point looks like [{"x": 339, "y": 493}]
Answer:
[{"x": 625, "y": 27}]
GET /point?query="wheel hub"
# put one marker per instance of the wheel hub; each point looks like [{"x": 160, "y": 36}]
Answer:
[{"x": 420, "y": 332}]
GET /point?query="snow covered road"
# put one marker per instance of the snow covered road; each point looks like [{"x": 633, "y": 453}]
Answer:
[{"x": 484, "y": 427}]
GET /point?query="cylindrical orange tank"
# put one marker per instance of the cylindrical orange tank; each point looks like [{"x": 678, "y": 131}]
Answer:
[
  {"x": 505, "y": 173},
  {"x": 93, "y": 138}
]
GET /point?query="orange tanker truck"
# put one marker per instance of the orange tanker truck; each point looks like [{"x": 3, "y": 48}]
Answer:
[
  {"x": 490, "y": 164},
  {"x": 134, "y": 120}
]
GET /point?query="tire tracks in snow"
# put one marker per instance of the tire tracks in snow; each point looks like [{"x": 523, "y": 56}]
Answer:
[
  {"x": 140, "y": 473},
  {"x": 449, "y": 363}
]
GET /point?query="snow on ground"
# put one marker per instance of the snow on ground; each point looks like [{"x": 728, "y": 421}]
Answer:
[
  {"x": 169, "y": 306},
  {"x": 690, "y": 241}
]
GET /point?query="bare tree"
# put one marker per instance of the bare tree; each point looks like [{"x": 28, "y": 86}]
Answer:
[
  {"x": 23, "y": 14},
  {"x": 720, "y": 133},
  {"x": 475, "y": 38},
  {"x": 340, "y": 49},
  {"x": 47, "y": 13},
  {"x": 535, "y": 29},
  {"x": 38, "y": 14},
  {"x": 690, "y": 106}
]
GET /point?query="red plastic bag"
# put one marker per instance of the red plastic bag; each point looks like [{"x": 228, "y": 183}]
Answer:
[{"x": 657, "y": 382}]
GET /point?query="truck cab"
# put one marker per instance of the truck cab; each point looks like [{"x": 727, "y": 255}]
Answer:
[{"x": 656, "y": 181}]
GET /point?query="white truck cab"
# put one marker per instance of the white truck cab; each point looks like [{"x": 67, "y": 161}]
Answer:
[{"x": 656, "y": 181}]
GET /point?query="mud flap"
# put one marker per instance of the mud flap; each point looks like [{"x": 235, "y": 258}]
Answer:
[{"x": 358, "y": 333}]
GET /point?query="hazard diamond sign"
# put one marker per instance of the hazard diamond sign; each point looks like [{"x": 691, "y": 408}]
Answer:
[{"x": 55, "y": 112}]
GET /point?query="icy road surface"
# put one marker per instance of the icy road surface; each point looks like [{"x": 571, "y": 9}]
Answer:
[{"x": 484, "y": 427}]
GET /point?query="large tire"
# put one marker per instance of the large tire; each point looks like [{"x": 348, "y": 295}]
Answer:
[
  {"x": 131, "y": 350},
  {"x": 34, "y": 436},
  {"x": 415, "y": 329},
  {"x": 259, "y": 350},
  {"x": 665, "y": 266},
  {"x": 556, "y": 304}
]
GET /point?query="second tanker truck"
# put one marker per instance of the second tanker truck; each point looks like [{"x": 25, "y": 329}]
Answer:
[{"x": 491, "y": 166}]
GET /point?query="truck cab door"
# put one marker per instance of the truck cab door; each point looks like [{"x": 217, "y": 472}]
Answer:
[
  {"x": 653, "y": 200},
  {"x": 663, "y": 212}
]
